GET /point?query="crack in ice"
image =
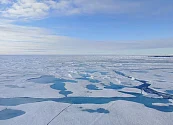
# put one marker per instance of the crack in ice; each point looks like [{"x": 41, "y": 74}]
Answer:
[
  {"x": 145, "y": 86},
  {"x": 59, "y": 114}
]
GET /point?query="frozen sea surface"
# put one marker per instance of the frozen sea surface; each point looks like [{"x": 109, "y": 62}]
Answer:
[{"x": 86, "y": 90}]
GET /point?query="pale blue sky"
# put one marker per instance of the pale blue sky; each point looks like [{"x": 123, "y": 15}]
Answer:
[{"x": 86, "y": 27}]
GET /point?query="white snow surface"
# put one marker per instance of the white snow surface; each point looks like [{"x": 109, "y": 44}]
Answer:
[{"x": 85, "y": 90}]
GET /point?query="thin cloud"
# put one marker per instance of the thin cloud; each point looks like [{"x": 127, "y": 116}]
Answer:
[
  {"x": 33, "y": 40},
  {"x": 16, "y": 39},
  {"x": 6, "y": 1},
  {"x": 38, "y": 9},
  {"x": 31, "y": 9}
]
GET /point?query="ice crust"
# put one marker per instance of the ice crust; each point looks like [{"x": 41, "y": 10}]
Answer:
[{"x": 86, "y": 90}]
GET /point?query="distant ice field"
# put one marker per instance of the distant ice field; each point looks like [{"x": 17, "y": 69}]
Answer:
[{"x": 86, "y": 90}]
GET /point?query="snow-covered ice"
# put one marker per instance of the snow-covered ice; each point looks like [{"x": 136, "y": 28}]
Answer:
[{"x": 86, "y": 90}]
